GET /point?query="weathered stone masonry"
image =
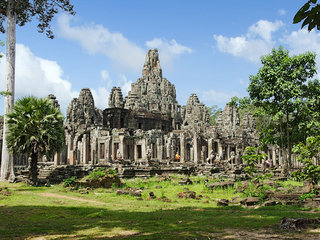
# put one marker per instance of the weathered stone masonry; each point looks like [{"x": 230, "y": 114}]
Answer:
[
  {"x": 150, "y": 122},
  {"x": 148, "y": 128}
]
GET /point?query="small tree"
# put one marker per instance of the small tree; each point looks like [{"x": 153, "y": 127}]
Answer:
[
  {"x": 35, "y": 128},
  {"x": 307, "y": 154},
  {"x": 251, "y": 157}
]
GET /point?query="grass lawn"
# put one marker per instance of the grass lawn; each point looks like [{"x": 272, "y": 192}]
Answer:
[{"x": 56, "y": 213}]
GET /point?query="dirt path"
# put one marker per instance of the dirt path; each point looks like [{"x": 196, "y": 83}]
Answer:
[{"x": 55, "y": 195}]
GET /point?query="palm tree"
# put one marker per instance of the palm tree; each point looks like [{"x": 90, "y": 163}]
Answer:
[{"x": 35, "y": 128}]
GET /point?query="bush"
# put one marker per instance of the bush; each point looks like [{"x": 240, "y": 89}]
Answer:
[
  {"x": 99, "y": 173},
  {"x": 251, "y": 157},
  {"x": 306, "y": 153},
  {"x": 69, "y": 182}
]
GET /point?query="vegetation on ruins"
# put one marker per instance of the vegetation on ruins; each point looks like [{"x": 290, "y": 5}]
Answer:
[
  {"x": 307, "y": 154},
  {"x": 20, "y": 12},
  {"x": 251, "y": 157},
  {"x": 214, "y": 112},
  {"x": 286, "y": 99},
  {"x": 309, "y": 13},
  {"x": 101, "y": 173},
  {"x": 102, "y": 213},
  {"x": 35, "y": 128}
]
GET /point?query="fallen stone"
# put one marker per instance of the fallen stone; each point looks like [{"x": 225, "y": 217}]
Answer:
[
  {"x": 222, "y": 202},
  {"x": 250, "y": 201},
  {"x": 298, "y": 224},
  {"x": 222, "y": 185},
  {"x": 270, "y": 203}
]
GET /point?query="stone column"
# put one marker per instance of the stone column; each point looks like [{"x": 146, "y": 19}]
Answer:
[
  {"x": 220, "y": 150},
  {"x": 210, "y": 146},
  {"x": 280, "y": 158},
  {"x": 274, "y": 156},
  {"x": 196, "y": 149},
  {"x": 113, "y": 151},
  {"x": 159, "y": 149},
  {"x": 182, "y": 148},
  {"x": 108, "y": 150},
  {"x": 228, "y": 152},
  {"x": 135, "y": 152},
  {"x": 69, "y": 149},
  {"x": 121, "y": 145},
  {"x": 85, "y": 150},
  {"x": 56, "y": 159}
]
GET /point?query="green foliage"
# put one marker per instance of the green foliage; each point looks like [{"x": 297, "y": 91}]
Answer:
[
  {"x": 69, "y": 181},
  {"x": 43, "y": 10},
  {"x": 256, "y": 190},
  {"x": 1, "y": 44},
  {"x": 214, "y": 112},
  {"x": 251, "y": 157},
  {"x": 307, "y": 196},
  {"x": 286, "y": 99},
  {"x": 306, "y": 154},
  {"x": 35, "y": 126},
  {"x": 100, "y": 173},
  {"x": 309, "y": 13}
]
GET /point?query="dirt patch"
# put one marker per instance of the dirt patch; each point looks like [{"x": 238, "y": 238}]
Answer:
[
  {"x": 270, "y": 233},
  {"x": 54, "y": 195}
]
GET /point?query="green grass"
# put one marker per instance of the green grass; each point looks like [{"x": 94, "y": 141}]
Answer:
[{"x": 102, "y": 214}]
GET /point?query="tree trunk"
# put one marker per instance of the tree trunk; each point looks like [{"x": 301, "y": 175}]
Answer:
[
  {"x": 33, "y": 170},
  {"x": 289, "y": 164},
  {"x": 7, "y": 172}
]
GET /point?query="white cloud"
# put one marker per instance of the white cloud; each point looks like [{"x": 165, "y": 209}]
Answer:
[
  {"x": 126, "y": 55},
  {"x": 302, "y": 41},
  {"x": 264, "y": 29},
  {"x": 257, "y": 42},
  {"x": 218, "y": 97},
  {"x": 39, "y": 77},
  {"x": 168, "y": 50},
  {"x": 101, "y": 97},
  {"x": 96, "y": 39},
  {"x": 282, "y": 12},
  {"x": 104, "y": 75},
  {"x": 125, "y": 84}
]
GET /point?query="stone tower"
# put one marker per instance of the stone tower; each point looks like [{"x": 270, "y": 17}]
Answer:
[
  {"x": 152, "y": 92},
  {"x": 82, "y": 113},
  {"x": 196, "y": 113},
  {"x": 116, "y": 98}
]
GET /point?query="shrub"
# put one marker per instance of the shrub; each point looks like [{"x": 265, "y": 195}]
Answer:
[
  {"x": 251, "y": 157},
  {"x": 306, "y": 153},
  {"x": 69, "y": 182},
  {"x": 99, "y": 173}
]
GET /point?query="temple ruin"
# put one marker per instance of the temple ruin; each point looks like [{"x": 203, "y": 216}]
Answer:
[{"x": 144, "y": 131}]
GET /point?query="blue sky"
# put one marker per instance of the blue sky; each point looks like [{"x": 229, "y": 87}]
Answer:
[{"x": 206, "y": 47}]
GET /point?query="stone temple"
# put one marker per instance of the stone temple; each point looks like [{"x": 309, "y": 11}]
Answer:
[
  {"x": 149, "y": 127},
  {"x": 142, "y": 133}
]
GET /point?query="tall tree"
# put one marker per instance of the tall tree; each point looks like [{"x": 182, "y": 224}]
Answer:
[
  {"x": 309, "y": 13},
  {"x": 282, "y": 90},
  {"x": 20, "y": 12},
  {"x": 35, "y": 128}
]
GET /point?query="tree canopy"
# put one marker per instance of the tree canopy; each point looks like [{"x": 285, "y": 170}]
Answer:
[
  {"x": 309, "y": 13},
  {"x": 35, "y": 128},
  {"x": 213, "y": 114},
  {"x": 43, "y": 10},
  {"x": 287, "y": 98}
]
